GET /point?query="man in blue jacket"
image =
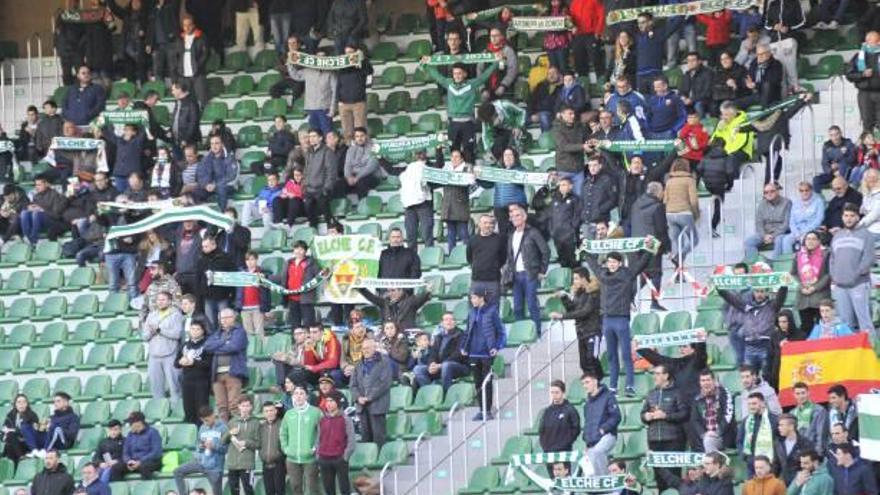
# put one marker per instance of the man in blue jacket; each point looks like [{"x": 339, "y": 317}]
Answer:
[
  {"x": 623, "y": 91},
  {"x": 851, "y": 474},
  {"x": 91, "y": 483},
  {"x": 229, "y": 372},
  {"x": 129, "y": 154},
  {"x": 84, "y": 100},
  {"x": 61, "y": 432},
  {"x": 484, "y": 337},
  {"x": 838, "y": 158},
  {"x": 666, "y": 111},
  {"x": 213, "y": 173},
  {"x": 650, "y": 48},
  {"x": 141, "y": 452},
  {"x": 601, "y": 419}
]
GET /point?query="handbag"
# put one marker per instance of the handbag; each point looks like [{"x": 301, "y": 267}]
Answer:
[{"x": 508, "y": 271}]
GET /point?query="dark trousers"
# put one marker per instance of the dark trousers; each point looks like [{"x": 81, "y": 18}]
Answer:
[
  {"x": 334, "y": 471},
  {"x": 777, "y": 168},
  {"x": 300, "y": 314},
  {"x": 503, "y": 140},
  {"x": 69, "y": 66},
  {"x": 296, "y": 89},
  {"x": 502, "y": 219},
  {"x": 339, "y": 313},
  {"x": 199, "y": 85},
  {"x": 315, "y": 205},
  {"x": 362, "y": 187},
  {"x": 287, "y": 210},
  {"x": 164, "y": 64},
  {"x": 716, "y": 211},
  {"x": 146, "y": 470},
  {"x": 195, "y": 395},
  {"x": 419, "y": 219},
  {"x": 588, "y": 354},
  {"x": 809, "y": 318},
  {"x": 869, "y": 109},
  {"x": 654, "y": 271},
  {"x": 565, "y": 248},
  {"x": 481, "y": 367},
  {"x": 676, "y": 445},
  {"x": 273, "y": 478},
  {"x": 236, "y": 476},
  {"x": 586, "y": 54},
  {"x": 372, "y": 427},
  {"x": 463, "y": 137}
]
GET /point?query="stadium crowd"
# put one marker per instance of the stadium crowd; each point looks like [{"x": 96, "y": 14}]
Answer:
[{"x": 197, "y": 333}]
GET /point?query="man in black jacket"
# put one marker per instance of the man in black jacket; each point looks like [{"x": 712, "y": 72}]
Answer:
[
  {"x": 109, "y": 451},
  {"x": 347, "y": 22},
  {"x": 582, "y": 306},
  {"x": 351, "y": 91},
  {"x": 192, "y": 57},
  {"x": 649, "y": 219},
  {"x": 764, "y": 79},
  {"x": 712, "y": 425},
  {"x": 696, "y": 85},
  {"x": 444, "y": 356},
  {"x": 237, "y": 242},
  {"x": 162, "y": 32},
  {"x": 560, "y": 423},
  {"x": 397, "y": 260},
  {"x": 214, "y": 297},
  {"x": 665, "y": 413},
  {"x": 598, "y": 196},
  {"x": 486, "y": 254},
  {"x": 54, "y": 478},
  {"x": 528, "y": 259},
  {"x": 565, "y": 213},
  {"x": 753, "y": 428},
  {"x": 864, "y": 73},
  {"x": 184, "y": 118},
  {"x": 68, "y": 43},
  {"x": 685, "y": 369},
  {"x": 787, "y": 447},
  {"x": 398, "y": 306},
  {"x": 635, "y": 183}
]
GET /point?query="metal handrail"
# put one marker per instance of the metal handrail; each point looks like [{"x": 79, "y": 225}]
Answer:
[
  {"x": 485, "y": 411},
  {"x": 30, "y": 61},
  {"x": 382, "y": 475},
  {"x": 416, "y": 446},
  {"x": 449, "y": 435},
  {"x": 4, "y": 116}
]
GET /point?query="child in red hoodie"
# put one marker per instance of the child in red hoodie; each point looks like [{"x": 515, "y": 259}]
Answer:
[
  {"x": 717, "y": 33},
  {"x": 692, "y": 139}
]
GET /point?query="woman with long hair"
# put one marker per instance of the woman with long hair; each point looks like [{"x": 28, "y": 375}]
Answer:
[
  {"x": 393, "y": 343},
  {"x": 14, "y": 446},
  {"x": 623, "y": 64},
  {"x": 682, "y": 209},
  {"x": 556, "y": 42},
  {"x": 507, "y": 194},
  {"x": 870, "y": 209},
  {"x": 810, "y": 266}
]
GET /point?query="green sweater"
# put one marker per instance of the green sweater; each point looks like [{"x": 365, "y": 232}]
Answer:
[
  {"x": 461, "y": 97},
  {"x": 299, "y": 434},
  {"x": 249, "y": 433},
  {"x": 820, "y": 483},
  {"x": 509, "y": 116}
]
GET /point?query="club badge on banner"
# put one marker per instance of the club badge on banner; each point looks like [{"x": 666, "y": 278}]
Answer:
[{"x": 349, "y": 259}]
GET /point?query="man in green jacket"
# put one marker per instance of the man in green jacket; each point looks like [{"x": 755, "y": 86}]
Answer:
[
  {"x": 503, "y": 124},
  {"x": 462, "y": 95},
  {"x": 299, "y": 435},
  {"x": 244, "y": 436},
  {"x": 813, "y": 478}
]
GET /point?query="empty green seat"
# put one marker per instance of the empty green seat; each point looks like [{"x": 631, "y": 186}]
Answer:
[
  {"x": 522, "y": 332},
  {"x": 266, "y": 82},
  {"x": 430, "y": 123},
  {"x": 394, "y": 453},
  {"x": 157, "y": 410},
  {"x": 21, "y": 309},
  {"x": 21, "y": 335},
  {"x": 676, "y": 320},
  {"x": 130, "y": 354},
  {"x": 36, "y": 359},
  {"x": 391, "y": 77},
  {"x": 401, "y": 397},
  {"x": 645, "y": 323},
  {"x": 97, "y": 386},
  {"x": 397, "y": 101},
  {"x": 398, "y": 126},
  {"x": 429, "y": 397},
  {"x": 37, "y": 388},
  {"x": 69, "y": 384},
  {"x": 120, "y": 87},
  {"x": 182, "y": 436},
  {"x": 384, "y": 51},
  {"x": 20, "y": 281},
  {"x": 250, "y": 135},
  {"x": 86, "y": 331},
  {"x": 100, "y": 355},
  {"x": 84, "y": 305},
  {"x": 115, "y": 304},
  {"x": 407, "y": 23},
  {"x": 96, "y": 413},
  {"x": 462, "y": 393},
  {"x": 272, "y": 108},
  {"x": 429, "y": 422},
  {"x": 483, "y": 479},
  {"x": 50, "y": 279},
  {"x": 215, "y": 110},
  {"x": 367, "y": 207},
  {"x": 17, "y": 253},
  {"x": 513, "y": 446},
  {"x": 397, "y": 425},
  {"x": 157, "y": 86},
  {"x": 416, "y": 50},
  {"x": 124, "y": 408},
  {"x": 52, "y": 307},
  {"x": 46, "y": 252},
  {"x": 27, "y": 468},
  {"x": 272, "y": 240},
  {"x": 235, "y": 62},
  {"x": 9, "y": 360},
  {"x": 8, "y": 390},
  {"x": 244, "y": 110},
  {"x": 239, "y": 86},
  {"x": 364, "y": 455},
  {"x": 558, "y": 278},
  {"x": 119, "y": 330},
  {"x": 393, "y": 208},
  {"x": 431, "y": 257},
  {"x": 712, "y": 321},
  {"x": 69, "y": 359},
  {"x": 53, "y": 333}
]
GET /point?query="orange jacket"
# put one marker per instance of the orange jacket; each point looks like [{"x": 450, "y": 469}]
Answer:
[
  {"x": 769, "y": 485},
  {"x": 440, "y": 11},
  {"x": 588, "y": 16},
  {"x": 329, "y": 359}
]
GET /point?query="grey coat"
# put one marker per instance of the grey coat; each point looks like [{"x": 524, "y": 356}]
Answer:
[
  {"x": 822, "y": 285},
  {"x": 360, "y": 162},
  {"x": 320, "y": 93},
  {"x": 455, "y": 205},
  {"x": 320, "y": 172},
  {"x": 374, "y": 384},
  {"x": 852, "y": 257},
  {"x": 773, "y": 218},
  {"x": 163, "y": 334},
  {"x": 511, "y": 66}
]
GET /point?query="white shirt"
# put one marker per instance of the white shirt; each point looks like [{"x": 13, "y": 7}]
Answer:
[
  {"x": 187, "y": 55},
  {"x": 412, "y": 191},
  {"x": 517, "y": 242}
]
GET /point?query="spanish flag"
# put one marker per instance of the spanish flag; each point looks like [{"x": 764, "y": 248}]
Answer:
[{"x": 849, "y": 361}]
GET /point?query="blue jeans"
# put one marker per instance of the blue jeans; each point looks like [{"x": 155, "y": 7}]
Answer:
[
  {"x": 213, "y": 308},
  {"x": 832, "y": 10},
  {"x": 120, "y": 183},
  {"x": 757, "y": 355},
  {"x": 280, "y": 26},
  {"x": 318, "y": 119},
  {"x": 456, "y": 231},
  {"x": 525, "y": 290},
  {"x": 784, "y": 244},
  {"x": 619, "y": 343},
  {"x": 545, "y": 119},
  {"x": 89, "y": 253},
  {"x": 752, "y": 244},
  {"x": 690, "y": 35},
  {"x": 36, "y": 440},
  {"x": 32, "y": 223},
  {"x": 577, "y": 180},
  {"x": 125, "y": 262},
  {"x": 449, "y": 371},
  {"x": 738, "y": 344},
  {"x": 678, "y": 223}
]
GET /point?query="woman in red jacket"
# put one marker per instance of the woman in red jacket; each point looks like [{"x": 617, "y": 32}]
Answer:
[
  {"x": 556, "y": 42},
  {"x": 717, "y": 33}
]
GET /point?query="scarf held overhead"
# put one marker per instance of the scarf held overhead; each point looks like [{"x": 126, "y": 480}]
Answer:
[
  {"x": 507, "y": 176},
  {"x": 623, "y": 245},
  {"x": 493, "y": 13},
  {"x": 397, "y": 148},
  {"x": 82, "y": 16},
  {"x": 771, "y": 281},
  {"x": 669, "y": 339},
  {"x": 556, "y": 23},
  {"x": 677, "y": 9},
  {"x": 466, "y": 58},
  {"x": 201, "y": 213},
  {"x": 335, "y": 62},
  {"x": 651, "y": 145}
]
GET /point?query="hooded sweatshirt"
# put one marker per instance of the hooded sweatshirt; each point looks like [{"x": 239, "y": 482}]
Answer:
[
  {"x": 299, "y": 433},
  {"x": 852, "y": 257}
]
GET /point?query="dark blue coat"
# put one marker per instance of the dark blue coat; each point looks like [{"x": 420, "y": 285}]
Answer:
[
  {"x": 97, "y": 487},
  {"x": 507, "y": 194},
  {"x": 666, "y": 113},
  {"x": 129, "y": 153},
  {"x": 844, "y": 155},
  {"x": 143, "y": 446},
  {"x": 233, "y": 344},
  {"x": 68, "y": 421},
  {"x": 858, "y": 478},
  {"x": 601, "y": 412},
  {"x": 215, "y": 169},
  {"x": 83, "y": 104},
  {"x": 651, "y": 46},
  {"x": 484, "y": 332}
]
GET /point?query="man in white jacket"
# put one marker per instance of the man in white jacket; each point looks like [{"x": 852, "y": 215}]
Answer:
[{"x": 418, "y": 203}]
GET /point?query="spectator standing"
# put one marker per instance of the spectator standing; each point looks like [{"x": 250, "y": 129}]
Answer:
[
  {"x": 813, "y": 477},
  {"x": 842, "y": 409},
  {"x": 215, "y": 298},
  {"x": 351, "y": 91},
  {"x": 214, "y": 173},
  {"x": 666, "y": 111},
  {"x": 757, "y": 432},
  {"x": 418, "y": 203},
  {"x": 543, "y": 98},
  {"x": 650, "y": 44},
  {"x": 810, "y": 266},
  {"x": 444, "y": 358},
  {"x": 195, "y": 371},
  {"x": 335, "y": 444},
  {"x": 758, "y": 314},
  {"x": 572, "y": 94},
  {"x": 68, "y": 38},
  {"x": 162, "y": 31},
  {"x": 588, "y": 17},
  {"x": 599, "y": 196},
  {"x": 271, "y": 453},
  {"x": 696, "y": 85},
  {"x": 528, "y": 261},
  {"x": 301, "y": 270},
  {"x": 752, "y": 382},
  {"x": 293, "y": 77},
  {"x": 787, "y": 447},
  {"x": 728, "y": 80},
  {"x": 142, "y": 450},
  {"x": 209, "y": 453},
  {"x": 851, "y": 474},
  {"x": 486, "y": 254},
  {"x": 601, "y": 419},
  {"x": 229, "y": 368},
  {"x": 185, "y": 118},
  {"x": 717, "y": 33},
  {"x": 685, "y": 370},
  {"x": 48, "y": 127},
  {"x": 565, "y": 213},
  {"x": 621, "y": 57},
  {"x": 649, "y": 218},
  {"x": 556, "y": 43},
  {"x": 506, "y": 195},
  {"x": 811, "y": 417},
  {"x": 850, "y": 268},
  {"x": 623, "y": 91},
  {"x": 192, "y": 53},
  {"x": 242, "y": 440},
  {"x": 54, "y": 478},
  {"x": 397, "y": 260},
  {"x": 319, "y": 176},
  {"x": 136, "y": 22},
  {"x": 665, "y": 412},
  {"x": 560, "y": 423},
  {"x": 162, "y": 330},
  {"x": 711, "y": 425},
  {"x": 570, "y": 135},
  {"x": 371, "y": 390},
  {"x": 764, "y": 483},
  {"x": 870, "y": 208},
  {"x": 455, "y": 208},
  {"x": 500, "y": 83},
  {"x": 347, "y": 22},
  {"x": 838, "y": 158},
  {"x": 247, "y": 19},
  {"x": 581, "y": 305},
  {"x": 398, "y": 305},
  {"x": 484, "y": 337},
  {"x": 320, "y": 96},
  {"x": 682, "y": 210},
  {"x": 864, "y": 73},
  {"x": 84, "y": 100}
]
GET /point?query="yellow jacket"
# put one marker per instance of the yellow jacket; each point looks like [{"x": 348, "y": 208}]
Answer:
[{"x": 734, "y": 139}]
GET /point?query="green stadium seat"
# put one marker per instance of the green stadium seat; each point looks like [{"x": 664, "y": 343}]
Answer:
[
  {"x": 235, "y": 62},
  {"x": 84, "y": 305},
  {"x": 459, "y": 287},
  {"x": 156, "y": 410},
  {"x": 130, "y": 354},
  {"x": 645, "y": 324},
  {"x": 383, "y": 52},
  {"x": 266, "y": 82},
  {"x": 97, "y": 386},
  {"x": 428, "y": 398},
  {"x": 244, "y": 110},
  {"x": 430, "y": 123},
  {"x": 522, "y": 332},
  {"x": 215, "y": 110},
  {"x": 20, "y": 335},
  {"x": 100, "y": 355},
  {"x": 96, "y": 413},
  {"x": 722, "y": 359},
  {"x": 483, "y": 479},
  {"x": 272, "y": 108},
  {"x": 38, "y": 388},
  {"x": 52, "y": 307},
  {"x": 428, "y": 99},
  {"x": 394, "y": 453},
  {"x": 339, "y": 207},
  {"x": 145, "y": 487},
  {"x": 59, "y": 94},
  {"x": 50, "y": 279},
  {"x": 26, "y": 470},
  {"x": 401, "y": 398},
  {"x": 215, "y": 87},
  {"x": 36, "y": 359},
  {"x": 397, "y": 425},
  {"x": 558, "y": 278},
  {"x": 265, "y": 60},
  {"x": 85, "y": 331},
  {"x": 53, "y": 333},
  {"x": 431, "y": 257},
  {"x": 9, "y": 360},
  {"x": 20, "y": 281},
  {"x": 365, "y": 454},
  {"x": 437, "y": 285},
  {"x": 157, "y": 86},
  {"x": 45, "y": 253},
  {"x": 162, "y": 115},
  {"x": 712, "y": 321},
  {"x": 513, "y": 446},
  {"x": 68, "y": 360},
  {"x": 415, "y": 51},
  {"x": 303, "y": 233},
  {"x": 407, "y": 23},
  {"x": 119, "y": 87},
  {"x": 21, "y": 309},
  {"x": 17, "y": 253},
  {"x": 8, "y": 390},
  {"x": 124, "y": 408},
  {"x": 676, "y": 321},
  {"x": 391, "y": 183},
  {"x": 272, "y": 240},
  {"x": 89, "y": 439},
  {"x": 367, "y": 207},
  {"x": 398, "y": 126},
  {"x": 397, "y": 101},
  {"x": 393, "y": 208},
  {"x": 182, "y": 436},
  {"x": 116, "y": 303}
]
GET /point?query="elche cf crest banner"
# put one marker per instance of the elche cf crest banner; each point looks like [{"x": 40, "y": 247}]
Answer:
[{"x": 350, "y": 258}]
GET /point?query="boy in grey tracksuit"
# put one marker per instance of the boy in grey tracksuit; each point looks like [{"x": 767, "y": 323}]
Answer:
[
  {"x": 162, "y": 330},
  {"x": 852, "y": 256}
]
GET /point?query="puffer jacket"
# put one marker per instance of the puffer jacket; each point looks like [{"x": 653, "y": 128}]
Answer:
[
  {"x": 601, "y": 416},
  {"x": 860, "y": 62},
  {"x": 484, "y": 333},
  {"x": 670, "y": 401},
  {"x": 598, "y": 198},
  {"x": 583, "y": 308},
  {"x": 320, "y": 93},
  {"x": 565, "y": 214},
  {"x": 504, "y": 194},
  {"x": 569, "y": 146},
  {"x": 714, "y": 172},
  {"x": 758, "y": 319}
]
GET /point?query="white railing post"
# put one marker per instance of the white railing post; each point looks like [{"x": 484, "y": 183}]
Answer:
[
  {"x": 416, "y": 446},
  {"x": 519, "y": 350},
  {"x": 382, "y": 475},
  {"x": 485, "y": 410},
  {"x": 451, "y": 448}
]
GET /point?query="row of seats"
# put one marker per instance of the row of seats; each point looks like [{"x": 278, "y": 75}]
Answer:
[{"x": 58, "y": 307}]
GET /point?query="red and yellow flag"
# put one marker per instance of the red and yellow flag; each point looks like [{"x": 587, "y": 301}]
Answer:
[{"x": 849, "y": 361}]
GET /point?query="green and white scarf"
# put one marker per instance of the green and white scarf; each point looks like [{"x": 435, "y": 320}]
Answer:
[
  {"x": 763, "y": 444},
  {"x": 446, "y": 177},
  {"x": 670, "y": 339},
  {"x": 677, "y": 9},
  {"x": 673, "y": 459},
  {"x": 651, "y": 145},
  {"x": 571, "y": 484},
  {"x": 245, "y": 279},
  {"x": 555, "y": 23},
  {"x": 771, "y": 281},
  {"x": 397, "y": 148},
  {"x": 82, "y": 16},
  {"x": 864, "y": 51},
  {"x": 201, "y": 213},
  {"x": 105, "y": 206},
  {"x": 492, "y": 14},
  {"x": 335, "y": 62},
  {"x": 122, "y": 117},
  {"x": 508, "y": 176},
  {"x": 622, "y": 245},
  {"x": 76, "y": 144},
  {"x": 7, "y": 146},
  {"x": 782, "y": 105},
  {"x": 466, "y": 58}
]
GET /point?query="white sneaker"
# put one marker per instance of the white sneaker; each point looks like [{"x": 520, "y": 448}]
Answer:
[
  {"x": 833, "y": 25},
  {"x": 821, "y": 25},
  {"x": 41, "y": 454}
]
